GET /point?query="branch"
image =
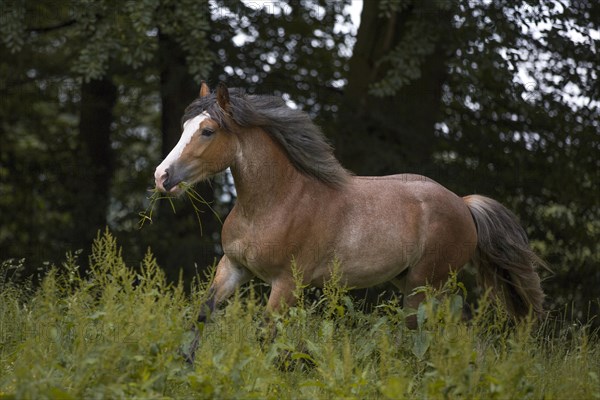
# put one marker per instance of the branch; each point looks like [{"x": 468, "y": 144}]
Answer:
[{"x": 52, "y": 27}]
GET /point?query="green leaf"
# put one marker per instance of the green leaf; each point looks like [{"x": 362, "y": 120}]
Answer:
[
  {"x": 456, "y": 305},
  {"x": 421, "y": 341},
  {"x": 421, "y": 315}
]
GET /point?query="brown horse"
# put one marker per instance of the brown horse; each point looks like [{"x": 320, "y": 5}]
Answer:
[{"x": 295, "y": 201}]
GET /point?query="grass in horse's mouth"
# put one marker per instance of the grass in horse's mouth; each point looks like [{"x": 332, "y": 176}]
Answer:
[{"x": 190, "y": 193}]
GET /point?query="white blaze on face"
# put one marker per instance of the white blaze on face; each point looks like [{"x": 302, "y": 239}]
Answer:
[{"x": 190, "y": 127}]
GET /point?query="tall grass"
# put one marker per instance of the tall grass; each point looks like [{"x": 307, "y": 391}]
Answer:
[
  {"x": 188, "y": 191},
  {"x": 116, "y": 333}
]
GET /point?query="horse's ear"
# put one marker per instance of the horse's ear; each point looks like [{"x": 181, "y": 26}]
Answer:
[
  {"x": 204, "y": 89},
  {"x": 223, "y": 96}
]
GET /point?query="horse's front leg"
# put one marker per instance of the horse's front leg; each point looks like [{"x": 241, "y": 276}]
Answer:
[{"x": 228, "y": 277}]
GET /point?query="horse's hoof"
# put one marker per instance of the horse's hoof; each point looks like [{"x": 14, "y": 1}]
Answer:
[
  {"x": 187, "y": 357},
  {"x": 189, "y": 346}
]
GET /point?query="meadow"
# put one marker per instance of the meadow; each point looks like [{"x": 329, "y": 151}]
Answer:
[{"x": 117, "y": 332}]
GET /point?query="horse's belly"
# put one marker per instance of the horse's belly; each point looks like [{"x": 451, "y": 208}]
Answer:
[
  {"x": 375, "y": 252},
  {"x": 365, "y": 266},
  {"x": 366, "y": 275}
]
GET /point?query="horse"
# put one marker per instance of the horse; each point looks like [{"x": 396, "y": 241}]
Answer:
[{"x": 297, "y": 205}]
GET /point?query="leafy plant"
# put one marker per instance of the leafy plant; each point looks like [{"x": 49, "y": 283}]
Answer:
[{"x": 116, "y": 333}]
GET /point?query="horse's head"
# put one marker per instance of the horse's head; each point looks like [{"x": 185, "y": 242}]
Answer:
[{"x": 205, "y": 147}]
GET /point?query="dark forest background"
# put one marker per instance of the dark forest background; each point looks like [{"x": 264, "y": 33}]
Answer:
[{"x": 492, "y": 97}]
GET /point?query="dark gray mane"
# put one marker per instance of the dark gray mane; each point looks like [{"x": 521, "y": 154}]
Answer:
[{"x": 306, "y": 146}]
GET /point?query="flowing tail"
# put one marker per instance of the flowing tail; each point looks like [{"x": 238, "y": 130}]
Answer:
[{"x": 503, "y": 258}]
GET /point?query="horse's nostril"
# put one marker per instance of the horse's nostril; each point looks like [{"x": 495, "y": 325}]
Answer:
[
  {"x": 167, "y": 182},
  {"x": 161, "y": 177},
  {"x": 165, "y": 178}
]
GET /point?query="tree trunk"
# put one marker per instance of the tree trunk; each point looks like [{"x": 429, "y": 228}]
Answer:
[
  {"x": 94, "y": 167},
  {"x": 384, "y": 135}
]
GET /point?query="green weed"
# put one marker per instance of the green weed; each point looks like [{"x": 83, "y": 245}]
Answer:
[{"x": 116, "y": 333}]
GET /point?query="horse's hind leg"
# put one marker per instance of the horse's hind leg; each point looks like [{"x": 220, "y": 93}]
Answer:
[
  {"x": 425, "y": 272},
  {"x": 228, "y": 277},
  {"x": 281, "y": 298},
  {"x": 433, "y": 269}
]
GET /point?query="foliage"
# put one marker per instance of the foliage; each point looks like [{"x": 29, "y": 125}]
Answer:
[
  {"x": 104, "y": 34},
  {"x": 298, "y": 50},
  {"x": 115, "y": 333}
]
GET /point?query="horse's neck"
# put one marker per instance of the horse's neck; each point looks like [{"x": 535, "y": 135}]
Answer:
[{"x": 263, "y": 174}]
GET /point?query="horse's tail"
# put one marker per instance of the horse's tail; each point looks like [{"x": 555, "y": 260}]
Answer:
[{"x": 504, "y": 261}]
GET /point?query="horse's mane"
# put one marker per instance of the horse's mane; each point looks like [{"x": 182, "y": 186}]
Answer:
[{"x": 306, "y": 146}]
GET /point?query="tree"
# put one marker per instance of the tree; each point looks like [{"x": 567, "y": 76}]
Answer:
[
  {"x": 84, "y": 55},
  {"x": 291, "y": 49},
  {"x": 393, "y": 97},
  {"x": 94, "y": 157}
]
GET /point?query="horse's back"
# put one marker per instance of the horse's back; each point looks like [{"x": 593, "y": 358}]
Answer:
[
  {"x": 408, "y": 188},
  {"x": 397, "y": 178},
  {"x": 428, "y": 201}
]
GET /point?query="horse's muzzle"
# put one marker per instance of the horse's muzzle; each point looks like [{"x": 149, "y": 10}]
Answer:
[{"x": 165, "y": 180}]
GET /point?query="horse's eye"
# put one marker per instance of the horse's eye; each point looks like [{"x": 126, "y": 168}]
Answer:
[{"x": 207, "y": 132}]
